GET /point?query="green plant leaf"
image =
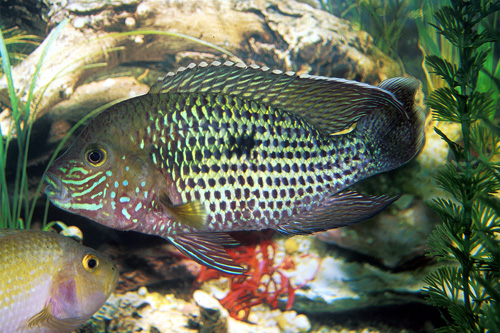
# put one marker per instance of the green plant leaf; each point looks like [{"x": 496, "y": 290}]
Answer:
[
  {"x": 445, "y": 105},
  {"x": 443, "y": 68},
  {"x": 469, "y": 233},
  {"x": 456, "y": 149}
]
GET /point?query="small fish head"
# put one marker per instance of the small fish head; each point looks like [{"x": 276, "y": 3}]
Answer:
[
  {"x": 97, "y": 278},
  {"x": 101, "y": 178},
  {"x": 79, "y": 291}
]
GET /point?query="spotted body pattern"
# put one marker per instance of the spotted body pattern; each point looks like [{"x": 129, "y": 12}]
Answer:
[
  {"x": 245, "y": 162},
  {"x": 217, "y": 148}
]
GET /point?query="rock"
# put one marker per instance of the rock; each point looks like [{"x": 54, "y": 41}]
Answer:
[
  {"x": 394, "y": 238},
  {"x": 141, "y": 311},
  {"x": 144, "y": 311},
  {"x": 157, "y": 263},
  {"x": 325, "y": 282},
  {"x": 290, "y": 322},
  {"x": 349, "y": 286},
  {"x": 213, "y": 317},
  {"x": 339, "y": 284}
]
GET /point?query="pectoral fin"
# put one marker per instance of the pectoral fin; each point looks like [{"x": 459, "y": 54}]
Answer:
[
  {"x": 339, "y": 210},
  {"x": 45, "y": 319},
  {"x": 192, "y": 213},
  {"x": 207, "y": 249}
]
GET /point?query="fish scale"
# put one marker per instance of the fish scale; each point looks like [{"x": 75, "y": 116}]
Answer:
[
  {"x": 205, "y": 165},
  {"x": 224, "y": 147}
]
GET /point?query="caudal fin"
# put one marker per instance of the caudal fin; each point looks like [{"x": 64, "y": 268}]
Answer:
[{"x": 392, "y": 136}]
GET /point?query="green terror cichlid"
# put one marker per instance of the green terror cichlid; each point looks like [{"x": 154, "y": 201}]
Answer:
[
  {"x": 49, "y": 282},
  {"x": 225, "y": 147}
]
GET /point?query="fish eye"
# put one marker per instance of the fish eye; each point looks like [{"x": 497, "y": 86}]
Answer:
[
  {"x": 90, "y": 262},
  {"x": 96, "y": 156}
]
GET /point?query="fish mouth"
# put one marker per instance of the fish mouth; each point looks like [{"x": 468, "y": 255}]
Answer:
[{"x": 55, "y": 190}]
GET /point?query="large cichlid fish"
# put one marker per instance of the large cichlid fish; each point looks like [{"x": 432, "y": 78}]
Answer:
[
  {"x": 49, "y": 282},
  {"x": 220, "y": 148}
]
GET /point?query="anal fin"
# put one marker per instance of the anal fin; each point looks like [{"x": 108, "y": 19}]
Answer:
[
  {"x": 339, "y": 210},
  {"x": 207, "y": 249}
]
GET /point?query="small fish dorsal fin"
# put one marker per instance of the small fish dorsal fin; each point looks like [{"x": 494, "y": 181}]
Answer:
[{"x": 330, "y": 104}]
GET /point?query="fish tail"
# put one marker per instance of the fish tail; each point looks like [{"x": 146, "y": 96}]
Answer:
[{"x": 394, "y": 137}]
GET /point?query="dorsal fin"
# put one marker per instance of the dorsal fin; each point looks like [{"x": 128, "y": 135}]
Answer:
[{"x": 330, "y": 104}]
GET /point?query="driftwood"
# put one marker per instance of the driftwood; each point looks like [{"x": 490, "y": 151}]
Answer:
[{"x": 282, "y": 34}]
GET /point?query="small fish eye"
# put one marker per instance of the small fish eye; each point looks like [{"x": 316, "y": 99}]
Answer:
[
  {"x": 96, "y": 156},
  {"x": 90, "y": 262}
]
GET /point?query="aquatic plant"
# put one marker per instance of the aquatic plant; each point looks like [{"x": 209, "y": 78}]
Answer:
[
  {"x": 265, "y": 281},
  {"x": 19, "y": 44},
  {"x": 431, "y": 42},
  {"x": 467, "y": 285},
  {"x": 16, "y": 205},
  {"x": 385, "y": 21},
  {"x": 16, "y": 213},
  {"x": 399, "y": 28}
]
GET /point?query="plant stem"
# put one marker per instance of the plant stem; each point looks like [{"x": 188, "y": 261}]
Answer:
[
  {"x": 466, "y": 91},
  {"x": 467, "y": 213}
]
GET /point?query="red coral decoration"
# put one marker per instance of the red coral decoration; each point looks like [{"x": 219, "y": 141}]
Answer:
[{"x": 263, "y": 283}]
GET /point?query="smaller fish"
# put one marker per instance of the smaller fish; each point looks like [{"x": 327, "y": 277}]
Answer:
[{"x": 50, "y": 283}]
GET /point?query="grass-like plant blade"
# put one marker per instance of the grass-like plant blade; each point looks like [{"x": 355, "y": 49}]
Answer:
[
  {"x": 5, "y": 213},
  {"x": 12, "y": 210}
]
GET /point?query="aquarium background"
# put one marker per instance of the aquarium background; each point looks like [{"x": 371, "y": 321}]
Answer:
[{"x": 71, "y": 59}]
